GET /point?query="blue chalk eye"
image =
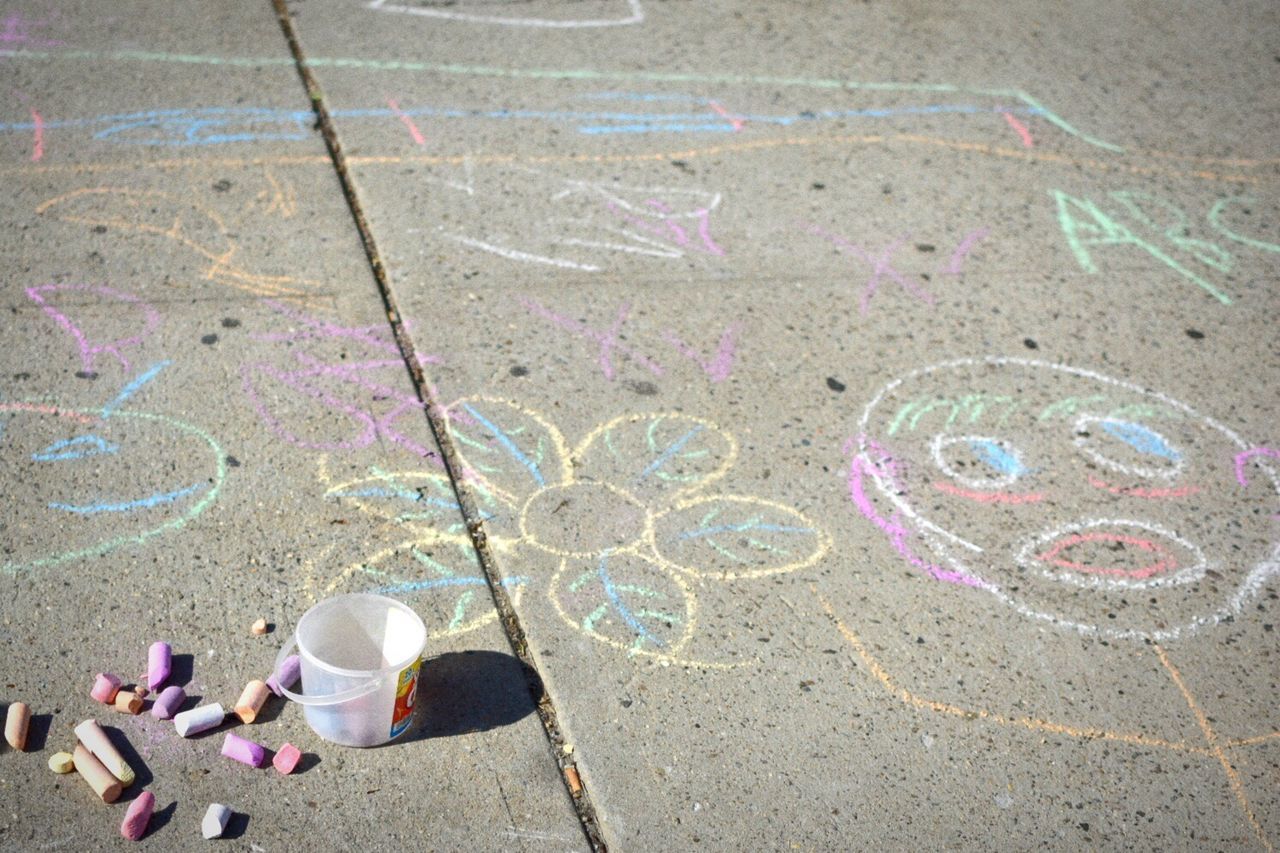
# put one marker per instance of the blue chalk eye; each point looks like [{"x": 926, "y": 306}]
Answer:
[
  {"x": 978, "y": 461},
  {"x": 1001, "y": 461},
  {"x": 1130, "y": 448},
  {"x": 80, "y": 447},
  {"x": 1141, "y": 439}
]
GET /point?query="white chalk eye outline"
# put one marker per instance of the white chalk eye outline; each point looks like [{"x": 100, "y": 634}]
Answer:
[
  {"x": 942, "y": 441},
  {"x": 1084, "y": 437}
]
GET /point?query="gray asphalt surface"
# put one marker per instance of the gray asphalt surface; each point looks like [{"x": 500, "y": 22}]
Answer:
[{"x": 800, "y": 426}]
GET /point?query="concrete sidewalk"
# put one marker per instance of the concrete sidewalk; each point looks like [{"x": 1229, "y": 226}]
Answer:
[{"x": 799, "y": 426}]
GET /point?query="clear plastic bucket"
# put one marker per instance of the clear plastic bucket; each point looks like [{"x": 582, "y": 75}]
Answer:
[{"x": 360, "y": 655}]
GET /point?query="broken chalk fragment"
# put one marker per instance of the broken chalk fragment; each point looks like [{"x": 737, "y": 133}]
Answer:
[
  {"x": 61, "y": 762},
  {"x": 215, "y": 820},
  {"x": 105, "y": 687},
  {"x": 286, "y": 676},
  {"x": 258, "y": 628},
  {"x": 100, "y": 746},
  {"x": 159, "y": 664},
  {"x": 168, "y": 702},
  {"x": 251, "y": 700},
  {"x": 17, "y": 722},
  {"x": 286, "y": 758},
  {"x": 242, "y": 750},
  {"x": 99, "y": 778},
  {"x": 134, "y": 825},
  {"x": 199, "y": 719},
  {"x": 128, "y": 702}
]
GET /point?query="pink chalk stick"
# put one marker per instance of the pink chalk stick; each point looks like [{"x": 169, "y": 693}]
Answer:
[
  {"x": 286, "y": 758},
  {"x": 105, "y": 688},
  {"x": 159, "y": 664},
  {"x": 244, "y": 751},
  {"x": 138, "y": 816},
  {"x": 286, "y": 676},
  {"x": 168, "y": 702}
]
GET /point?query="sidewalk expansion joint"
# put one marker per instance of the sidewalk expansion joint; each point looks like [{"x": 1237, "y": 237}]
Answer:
[{"x": 437, "y": 422}]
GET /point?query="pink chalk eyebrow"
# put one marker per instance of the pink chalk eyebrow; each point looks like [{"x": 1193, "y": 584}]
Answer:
[{"x": 989, "y": 497}]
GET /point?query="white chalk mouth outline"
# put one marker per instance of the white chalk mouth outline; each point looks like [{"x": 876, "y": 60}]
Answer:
[
  {"x": 1026, "y": 557},
  {"x": 635, "y": 16},
  {"x": 1082, "y": 442},
  {"x": 1263, "y": 571}
]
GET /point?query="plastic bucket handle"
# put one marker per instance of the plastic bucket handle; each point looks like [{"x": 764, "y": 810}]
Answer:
[{"x": 328, "y": 699}]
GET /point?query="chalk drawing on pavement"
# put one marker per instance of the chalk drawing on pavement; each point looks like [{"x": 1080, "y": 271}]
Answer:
[
  {"x": 949, "y": 458},
  {"x": 185, "y": 222},
  {"x": 585, "y": 14},
  {"x": 628, "y": 518}
]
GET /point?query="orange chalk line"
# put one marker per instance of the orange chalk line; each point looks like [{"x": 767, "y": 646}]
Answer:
[
  {"x": 1030, "y": 156},
  {"x": 1237, "y": 784},
  {"x": 1031, "y": 723}
]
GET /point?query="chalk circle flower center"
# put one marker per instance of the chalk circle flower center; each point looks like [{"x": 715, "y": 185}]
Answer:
[{"x": 583, "y": 519}]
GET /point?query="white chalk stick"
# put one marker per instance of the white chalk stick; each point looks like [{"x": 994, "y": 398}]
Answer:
[
  {"x": 199, "y": 719},
  {"x": 215, "y": 820}
]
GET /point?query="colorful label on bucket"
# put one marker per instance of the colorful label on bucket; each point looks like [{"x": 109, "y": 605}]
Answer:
[{"x": 406, "y": 695}]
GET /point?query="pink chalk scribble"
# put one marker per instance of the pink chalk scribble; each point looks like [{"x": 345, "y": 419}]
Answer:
[
  {"x": 407, "y": 120},
  {"x": 718, "y": 367},
  {"x": 37, "y": 133},
  {"x": 1242, "y": 459},
  {"x": 670, "y": 230},
  {"x": 884, "y": 467},
  {"x": 608, "y": 339},
  {"x": 966, "y": 244},
  {"x": 90, "y": 349},
  {"x": 736, "y": 121},
  {"x": 1021, "y": 129},
  {"x": 15, "y": 29},
  {"x": 364, "y": 391},
  {"x": 880, "y": 267}
]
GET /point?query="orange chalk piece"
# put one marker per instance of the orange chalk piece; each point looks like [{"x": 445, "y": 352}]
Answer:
[
  {"x": 134, "y": 825},
  {"x": 95, "y": 740},
  {"x": 16, "y": 724},
  {"x": 99, "y": 778},
  {"x": 251, "y": 700},
  {"x": 128, "y": 702},
  {"x": 258, "y": 628},
  {"x": 105, "y": 687}
]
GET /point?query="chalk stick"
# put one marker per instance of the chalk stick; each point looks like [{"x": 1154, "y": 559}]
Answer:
[
  {"x": 286, "y": 758},
  {"x": 242, "y": 750},
  {"x": 61, "y": 762},
  {"x": 141, "y": 691},
  {"x": 251, "y": 700},
  {"x": 128, "y": 702},
  {"x": 199, "y": 719},
  {"x": 99, "y": 778},
  {"x": 17, "y": 723},
  {"x": 100, "y": 746},
  {"x": 134, "y": 825},
  {"x": 159, "y": 664},
  {"x": 168, "y": 702},
  {"x": 215, "y": 820},
  {"x": 286, "y": 676},
  {"x": 105, "y": 687}
]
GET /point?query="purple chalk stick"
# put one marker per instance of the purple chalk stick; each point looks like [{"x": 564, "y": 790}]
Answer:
[
  {"x": 244, "y": 751},
  {"x": 286, "y": 676},
  {"x": 168, "y": 702},
  {"x": 159, "y": 664}
]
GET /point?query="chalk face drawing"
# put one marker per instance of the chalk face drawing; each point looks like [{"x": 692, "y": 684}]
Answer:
[
  {"x": 1082, "y": 501},
  {"x": 585, "y": 14},
  {"x": 626, "y": 517},
  {"x": 103, "y": 478}
]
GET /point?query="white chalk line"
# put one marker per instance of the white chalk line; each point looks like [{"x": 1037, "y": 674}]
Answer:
[{"x": 635, "y": 16}]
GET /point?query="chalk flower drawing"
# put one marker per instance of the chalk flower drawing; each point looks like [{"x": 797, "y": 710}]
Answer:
[{"x": 625, "y": 517}]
